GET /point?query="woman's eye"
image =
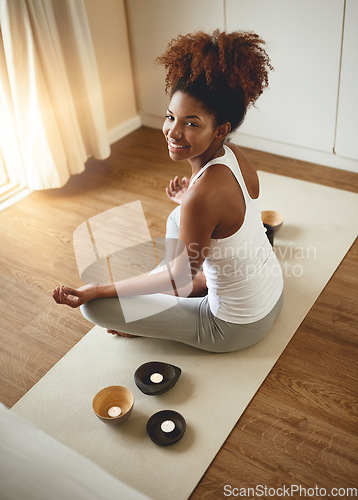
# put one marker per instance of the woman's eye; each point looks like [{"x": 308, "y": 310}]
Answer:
[
  {"x": 191, "y": 124},
  {"x": 169, "y": 117}
]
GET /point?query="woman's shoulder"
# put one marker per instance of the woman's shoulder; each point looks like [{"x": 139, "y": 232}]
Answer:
[
  {"x": 247, "y": 169},
  {"x": 219, "y": 175},
  {"x": 214, "y": 180},
  {"x": 213, "y": 191}
]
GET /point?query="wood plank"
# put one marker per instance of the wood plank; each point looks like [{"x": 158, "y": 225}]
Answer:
[{"x": 301, "y": 426}]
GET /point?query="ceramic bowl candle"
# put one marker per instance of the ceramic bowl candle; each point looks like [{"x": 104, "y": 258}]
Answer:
[
  {"x": 155, "y": 378},
  {"x": 113, "y": 404},
  {"x": 272, "y": 218},
  {"x": 166, "y": 427}
]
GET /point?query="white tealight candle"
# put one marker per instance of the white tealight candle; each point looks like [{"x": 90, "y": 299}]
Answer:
[
  {"x": 167, "y": 426},
  {"x": 114, "y": 411},
  {"x": 156, "y": 378}
]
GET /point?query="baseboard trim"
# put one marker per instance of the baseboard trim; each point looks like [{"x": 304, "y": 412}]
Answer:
[
  {"x": 17, "y": 194},
  {"x": 151, "y": 121},
  {"x": 296, "y": 152},
  {"x": 120, "y": 131},
  {"x": 278, "y": 148}
]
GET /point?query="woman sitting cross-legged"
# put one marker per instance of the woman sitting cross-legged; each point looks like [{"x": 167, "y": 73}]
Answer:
[{"x": 222, "y": 288}]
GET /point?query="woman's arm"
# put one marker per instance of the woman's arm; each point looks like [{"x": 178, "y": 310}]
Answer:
[
  {"x": 161, "y": 282},
  {"x": 175, "y": 279},
  {"x": 186, "y": 258}
]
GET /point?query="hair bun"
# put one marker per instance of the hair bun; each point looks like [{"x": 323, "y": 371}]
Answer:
[{"x": 238, "y": 57}]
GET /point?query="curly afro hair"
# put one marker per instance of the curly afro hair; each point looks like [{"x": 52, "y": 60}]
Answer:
[{"x": 226, "y": 72}]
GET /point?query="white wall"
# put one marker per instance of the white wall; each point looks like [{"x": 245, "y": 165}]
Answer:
[
  {"x": 347, "y": 128},
  {"x": 107, "y": 19},
  {"x": 297, "y": 116},
  {"x": 152, "y": 24}
]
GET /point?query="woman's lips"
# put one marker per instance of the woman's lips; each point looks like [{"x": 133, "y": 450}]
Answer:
[{"x": 175, "y": 147}]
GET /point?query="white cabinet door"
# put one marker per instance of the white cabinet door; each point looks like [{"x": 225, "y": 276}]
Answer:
[
  {"x": 347, "y": 120},
  {"x": 152, "y": 24},
  {"x": 303, "y": 40}
]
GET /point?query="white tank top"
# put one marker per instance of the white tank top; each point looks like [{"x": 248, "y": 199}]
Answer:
[{"x": 243, "y": 275}]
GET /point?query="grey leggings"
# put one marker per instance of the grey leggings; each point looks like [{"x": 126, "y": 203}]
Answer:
[{"x": 186, "y": 320}]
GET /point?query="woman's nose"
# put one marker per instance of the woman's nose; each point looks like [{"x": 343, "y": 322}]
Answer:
[{"x": 175, "y": 131}]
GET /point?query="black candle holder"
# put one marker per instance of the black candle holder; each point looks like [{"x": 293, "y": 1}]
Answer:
[
  {"x": 170, "y": 374},
  {"x": 157, "y": 435}
]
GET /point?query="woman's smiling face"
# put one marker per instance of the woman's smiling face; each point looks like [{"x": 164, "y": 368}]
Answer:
[{"x": 188, "y": 129}]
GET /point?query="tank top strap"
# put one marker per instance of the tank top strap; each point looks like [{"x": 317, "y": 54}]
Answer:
[
  {"x": 201, "y": 171},
  {"x": 229, "y": 159},
  {"x": 234, "y": 166}
]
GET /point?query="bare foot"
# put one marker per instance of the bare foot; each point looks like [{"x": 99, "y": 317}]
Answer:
[
  {"x": 121, "y": 334},
  {"x": 177, "y": 188}
]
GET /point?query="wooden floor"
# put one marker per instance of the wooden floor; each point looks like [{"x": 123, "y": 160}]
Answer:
[{"x": 301, "y": 428}]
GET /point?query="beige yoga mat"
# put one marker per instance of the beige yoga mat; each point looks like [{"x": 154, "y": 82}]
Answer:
[{"x": 214, "y": 389}]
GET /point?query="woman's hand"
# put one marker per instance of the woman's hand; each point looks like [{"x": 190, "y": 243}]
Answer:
[
  {"x": 177, "y": 188},
  {"x": 74, "y": 297}
]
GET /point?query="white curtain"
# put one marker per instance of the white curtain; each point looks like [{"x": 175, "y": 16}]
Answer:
[{"x": 51, "y": 108}]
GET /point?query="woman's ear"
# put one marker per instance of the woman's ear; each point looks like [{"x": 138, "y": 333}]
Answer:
[{"x": 223, "y": 131}]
